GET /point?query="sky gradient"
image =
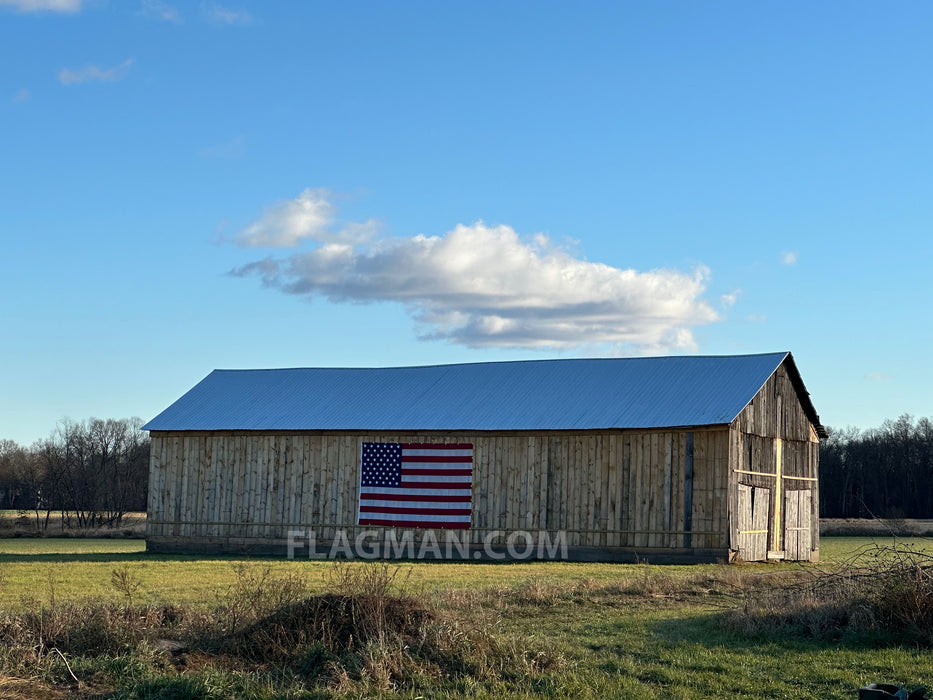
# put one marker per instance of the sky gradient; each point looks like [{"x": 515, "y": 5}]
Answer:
[{"x": 196, "y": 185}]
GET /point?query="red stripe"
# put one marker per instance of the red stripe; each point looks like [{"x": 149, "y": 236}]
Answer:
[
  {"x": 420, "y": 498},
  {"x": 414, "y": 523},
  {"x": 401, "y": 497},
  {"x": 461, "y": 485},
  {"x": 414, "y": 511},
  {"x": 427, "y": 498},
  {"x": 436, "y": 472},
  {"x": 437, "y": 458},
  {"x": 436, "y": 446}
]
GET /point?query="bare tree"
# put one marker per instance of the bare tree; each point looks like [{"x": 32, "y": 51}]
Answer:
[
  {"x": 97, "y": 470},
  {"x": 11, "y": 455}
]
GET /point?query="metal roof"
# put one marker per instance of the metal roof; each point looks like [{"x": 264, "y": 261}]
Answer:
[{"x": 572, "y": 394}]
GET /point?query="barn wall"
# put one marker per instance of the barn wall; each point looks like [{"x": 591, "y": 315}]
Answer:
[
  {"x": 774, "y": 446},
  {"x": 660, "y": 489}
]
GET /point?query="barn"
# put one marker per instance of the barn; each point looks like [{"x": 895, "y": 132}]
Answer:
[{"x": 687, "y": 458}]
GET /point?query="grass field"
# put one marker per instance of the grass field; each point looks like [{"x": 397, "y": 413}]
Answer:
[
  {"x": 83, "y": 567},
  {"x": 558, "y": 629}
]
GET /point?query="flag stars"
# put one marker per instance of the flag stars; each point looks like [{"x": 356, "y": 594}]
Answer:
[{"x": 382, "y": 464}]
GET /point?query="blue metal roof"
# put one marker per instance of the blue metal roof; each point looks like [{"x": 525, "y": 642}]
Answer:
[{"x": 572, "y": 394}]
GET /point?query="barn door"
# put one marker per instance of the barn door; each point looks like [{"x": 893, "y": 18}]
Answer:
[
  {"x": 797, "y": 506},
  {"x": 753, "y": 522}
]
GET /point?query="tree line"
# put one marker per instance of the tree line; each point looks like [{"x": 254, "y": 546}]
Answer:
[
  {"x": 91, "y": 473},
  {"x": 884, "y": 472}
]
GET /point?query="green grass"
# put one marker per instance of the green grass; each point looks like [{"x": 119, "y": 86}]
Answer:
[
  {"x": 680, "y": 653},
  {"x": 82, "y": 567},
  {"x": 193, "y": 580},
  {"x": 68, "y": 546},
  {"x": 838, "y": 549},
  {"x": 626, "y": 631}
]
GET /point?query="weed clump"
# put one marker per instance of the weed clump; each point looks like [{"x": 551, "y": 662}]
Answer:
[
  {"x": 369, "y": 633},
  {"x": 365, "y": 634},
  {"x": 337, "y": 623},
  {"x": 883, "y": 593}
]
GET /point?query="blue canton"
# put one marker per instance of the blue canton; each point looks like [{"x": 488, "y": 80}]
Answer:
[{"x": 382, "y": 464}]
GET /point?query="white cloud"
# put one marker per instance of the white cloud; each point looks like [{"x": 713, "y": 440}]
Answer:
[
  {"x": 310, "y": 216},
  {"x": 218, "y": 14},
  {"x": 231, "y": 149},
  {"x": 22, "y": 95},
  {"x": 67, "y": 76},
  {"x": 161, "y": 11},
  {"x": 484, "y": 286},
  {"x": 728, "y": 300},
  {"x": 877, "y": 377},
  {"x": 789, "y": 257},
  {"x": 67, "y": 6}
]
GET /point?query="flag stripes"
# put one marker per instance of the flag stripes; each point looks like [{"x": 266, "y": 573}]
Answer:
[{"x": 416, "y": 485}]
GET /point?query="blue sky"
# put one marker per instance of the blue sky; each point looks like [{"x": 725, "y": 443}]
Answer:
[{"x": 196, "y": 185}]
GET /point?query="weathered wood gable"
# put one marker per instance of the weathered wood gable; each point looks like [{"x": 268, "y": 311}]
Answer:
[{"x": 774, "y": 450}]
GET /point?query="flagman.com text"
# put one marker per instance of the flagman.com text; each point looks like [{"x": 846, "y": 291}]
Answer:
[{"x": 423, "y": 544}]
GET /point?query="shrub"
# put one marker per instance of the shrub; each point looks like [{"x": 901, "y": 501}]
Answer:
[{"x": 885, "y": 591}]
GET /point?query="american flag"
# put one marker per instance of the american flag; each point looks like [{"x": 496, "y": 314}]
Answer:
[{"x": 416, "y": 484}]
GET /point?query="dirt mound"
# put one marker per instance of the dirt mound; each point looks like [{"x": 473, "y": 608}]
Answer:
[{"x": 337, "y": 623}]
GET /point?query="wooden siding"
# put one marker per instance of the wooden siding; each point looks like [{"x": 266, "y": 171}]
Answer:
[
  {"x": 752, "y": 515},
  {"x": 776, "y": 412},
  {"x": 606, "y": 489},
  {"x": 774, "y": 446}
]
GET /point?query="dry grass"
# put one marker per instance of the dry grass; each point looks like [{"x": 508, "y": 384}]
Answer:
[
  {"x": 25, "y": 524},
  {"x": 875, "y": 527},
  {"x": 43, "y": 626},
  {"x": 882, "y": 593},
  {"x": 361, "y": 630},
  {"x": 370, "y": 632},
  {"x": 366, "y": 634}
]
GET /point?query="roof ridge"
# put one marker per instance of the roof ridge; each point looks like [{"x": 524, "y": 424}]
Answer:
[
  {"x": 560, "y": 394},
  {"x": 783, "y": 353}
]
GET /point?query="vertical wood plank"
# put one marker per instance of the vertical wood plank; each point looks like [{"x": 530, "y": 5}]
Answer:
[
  {"x": 792, "y": 522},
  {"x": 544, "y": 481},
  {"x": 627, "y": 504},
  {"x": 667, "y": 485},
  {"x": 573, "y": 489},
  {"x": 324, "y": 479},
  {"x": 522, "y": 466},
  {"x": 688, "y": 491},
  {"x": 650, "y": 487},
  {"x": 154, "y": 496},
  {"x": 612, "y": 491},
  {"x": 588, "y": 505},
  {"x": 640, "y": 523}
]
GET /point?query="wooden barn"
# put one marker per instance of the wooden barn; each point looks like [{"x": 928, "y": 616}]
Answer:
[{"x": 663, "y": 458}]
